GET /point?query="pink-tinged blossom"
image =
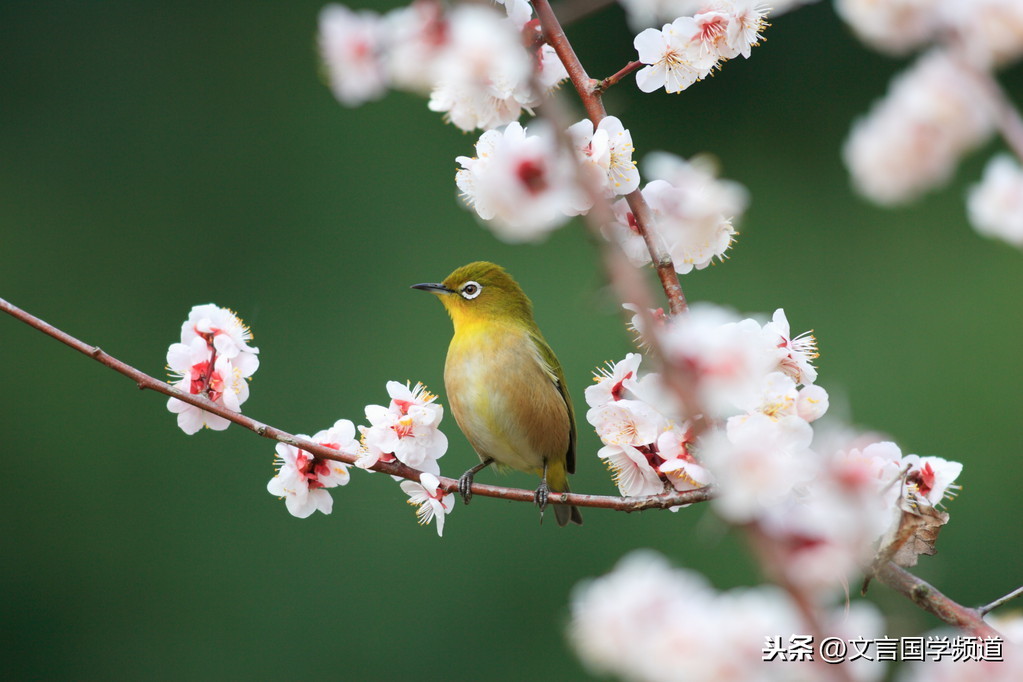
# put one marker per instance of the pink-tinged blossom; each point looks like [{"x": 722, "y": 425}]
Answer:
[
  {"x": 932, "y": 478},
  {"x": 626, "y": 422},
  {"x": 417, "y": 36},
  {"x": 647, "y": 621},
  {"x": 406, "y": 430},
  {"x": 989, "y": 32},
  {"x": 223, "y": 332},
  {"x": 430, "y": 501},
  {"x": 606, "y": 153},
  {"x": 912, "y": 140},
  {"x": 674, "y": 60},
  {"x": 521, "y": 182},
  {"x": 746, "y": 19},
  {"x": 302, "y": 479},
  {"x": 350, "y": 46},
  {"x": 995, "y": 206},
  {"x": 199, "y": 374},
  {"x": 758, "y": 463},
  {"x": 797, "y": 354},
  {"x": 631, "y": 469},
  {"x": 680, "y": 467},
  {"x": 616, "y": 381},
  {"x": 727, "y": 357},
  {"x": 693, "y": 213},
  {"x": 893, "y": 26},
  {"x": 483, "y": 75}
]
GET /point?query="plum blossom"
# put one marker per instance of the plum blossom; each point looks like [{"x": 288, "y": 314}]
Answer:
[
  {"x": 650, "y": 622},
  {"x": 674, "y": 60},
  {"x": 350, "y": 45},
  {"x": 483, "y": 75},
  {"x": 224, "y": 332},
  {"x": 431, "y": 502},
  {"x": 416, "y": 37},
  {"x": 213, "y": 359},
  {"x": 607, "y": 152},
  {"x": 693, "y": 213},
  {"x": 796, "y": 354},
  {"x": 995, "y": 206},
  {"x": 912, "y": 139},
  {"x": 406, "y": 430},
  {"x": 990, "y": 32},
  {"x": 302, "y": 479},
  {"x": 626, "y": 422},
  {"x": 520, "y": 182}
]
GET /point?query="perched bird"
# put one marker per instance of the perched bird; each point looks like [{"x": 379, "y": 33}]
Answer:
[{"x": 504, "y": 384}]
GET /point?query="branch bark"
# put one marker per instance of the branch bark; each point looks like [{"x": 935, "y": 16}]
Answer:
[
  {"x": 145, "y": 381},
  {"x": 589, "y": 91}
]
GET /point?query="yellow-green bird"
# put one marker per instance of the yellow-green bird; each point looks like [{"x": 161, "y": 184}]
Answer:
[{"x": 505, "y": 386}]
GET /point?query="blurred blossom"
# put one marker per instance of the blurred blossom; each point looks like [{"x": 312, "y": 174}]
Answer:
[
  {"x": 912, "y": 139},
  {"x": 483, "y": 77},
  {"x": 521, "y": 181},
  {"x": 645, "y": 13},
  {"x": 995, "y": 206},
  {"x": 350, "y": 46},
  {"x": 648, "y": 621},
  {"x": 430, "y": 501},
  {"x": 892, "y": 26},
  {"x": 1009, "y": 668},
  {"x": 416, "y": 37},
  {"x": 990, "y": 32},
  {"x": 302, "y": 478}
]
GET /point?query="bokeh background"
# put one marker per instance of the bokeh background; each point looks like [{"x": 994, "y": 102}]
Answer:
[{"x": 154, "y": 156}]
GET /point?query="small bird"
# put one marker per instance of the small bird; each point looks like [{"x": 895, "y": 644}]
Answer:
[{"x": 505, "y": 386}]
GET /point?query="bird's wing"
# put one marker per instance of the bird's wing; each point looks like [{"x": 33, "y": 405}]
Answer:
[{"x": 552, "y": 368}]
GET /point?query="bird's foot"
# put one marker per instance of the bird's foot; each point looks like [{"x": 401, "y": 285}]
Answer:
[
  {"x": 465, "y": 485},
  {"x": 541, "y": 495},
  {"x": 465, "y": 480}
]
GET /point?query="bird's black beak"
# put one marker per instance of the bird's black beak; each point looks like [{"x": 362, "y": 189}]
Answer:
[{"x": 433, "y": 288}]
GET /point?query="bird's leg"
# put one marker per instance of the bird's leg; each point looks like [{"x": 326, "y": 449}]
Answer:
[
  {"x": 542, "y": 492},
  {"x": 465, "y": 480}
]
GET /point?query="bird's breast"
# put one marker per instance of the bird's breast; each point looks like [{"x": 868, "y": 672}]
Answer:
[{"x": 503, "y": 400}]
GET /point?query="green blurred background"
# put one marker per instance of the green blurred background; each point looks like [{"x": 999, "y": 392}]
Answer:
[{"x": 158, "y": 156}]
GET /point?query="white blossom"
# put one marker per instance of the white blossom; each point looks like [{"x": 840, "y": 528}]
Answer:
[
  {"x": 350, "y": 46},
  {"x": 995, "y": 206}
]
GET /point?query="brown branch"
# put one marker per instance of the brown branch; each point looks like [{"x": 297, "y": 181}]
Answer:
[
  {"x": 144, "y": 381},
  {"x": 931, "y": 600},
  {"x": 984, "y": 610},
  {"x": 589, "y": 94},
  {"x": 613, "y": 79}
]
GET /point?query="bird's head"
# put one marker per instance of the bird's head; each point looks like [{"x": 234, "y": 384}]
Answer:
[{"x": 481, "y": 292}]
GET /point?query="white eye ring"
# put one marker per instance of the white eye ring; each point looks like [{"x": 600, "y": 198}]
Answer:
[{"x": 470, "y": 290}]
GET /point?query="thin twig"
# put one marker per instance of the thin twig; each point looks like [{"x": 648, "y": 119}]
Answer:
[
  {"x": 603, "y": 85},
  {"x": 144, "y": 381},
  {"x": 984, "y": 610},
  {"x": 589, "y": 94}
]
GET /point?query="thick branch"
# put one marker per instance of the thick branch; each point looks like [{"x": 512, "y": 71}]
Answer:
[
  {"x": 930, "y": 599},
  {"x": 589, "y": 94},
  {"x": 144, "y": 381}
]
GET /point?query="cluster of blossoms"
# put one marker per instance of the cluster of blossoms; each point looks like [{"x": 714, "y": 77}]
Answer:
[
  {"x": 691, "y": 47},
  {"x": 648, "y": 621},
  {"x": 827, "y": 503},
  {"x": 483, "y": 69},
  {"x": 693, "y": 213},
  {"x": 477, "y": 66},
  {"x": 407, "y": 431},
  {"x": 213, "y": 359},
  {"x": 942, "y": 107},
  {"x": 647, "y": 13}
]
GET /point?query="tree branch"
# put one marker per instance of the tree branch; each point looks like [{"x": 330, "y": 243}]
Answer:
[
  {"x": 589, "y": 94},
  {"x": 145, "y": 381},
  {"x": 931, "y": 600},
  {"x": 984, "y": 610}
]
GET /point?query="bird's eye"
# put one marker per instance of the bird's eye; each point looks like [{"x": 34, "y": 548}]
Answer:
[{"x": 470, "y": 290}]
